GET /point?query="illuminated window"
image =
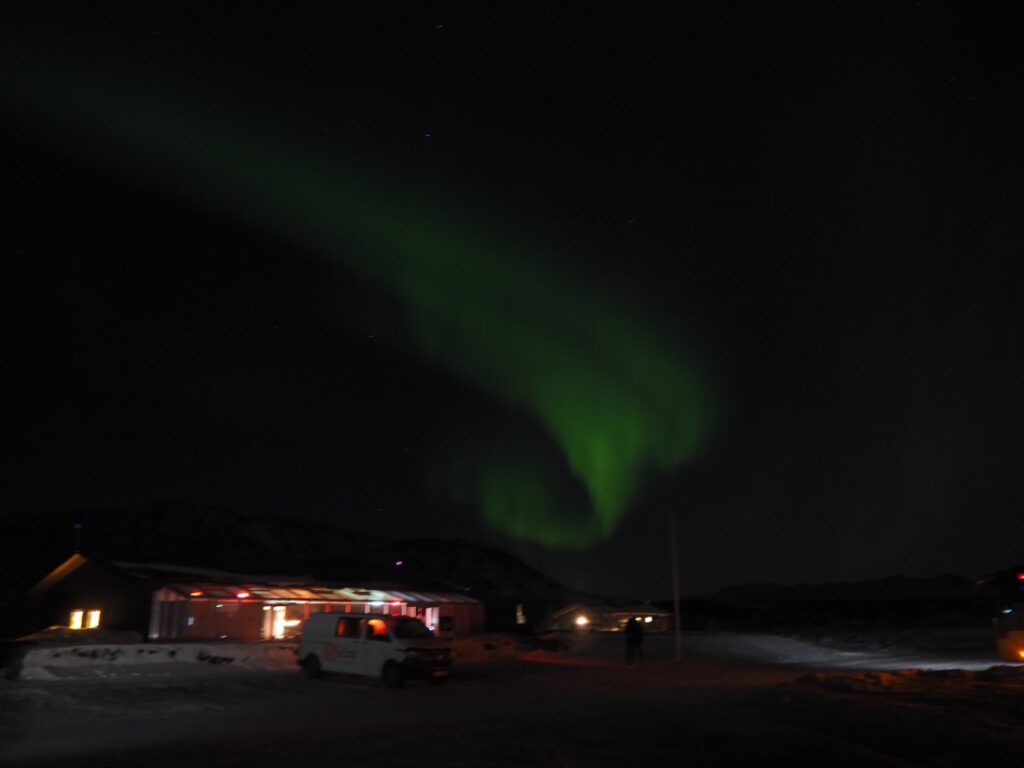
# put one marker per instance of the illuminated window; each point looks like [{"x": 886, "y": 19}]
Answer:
[
  {"x": 84, "y": 619},
  {"x": 377, "y": 630}
]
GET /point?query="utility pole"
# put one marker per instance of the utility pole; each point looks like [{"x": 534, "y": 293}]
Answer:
[{"x": 675, "y": 584}]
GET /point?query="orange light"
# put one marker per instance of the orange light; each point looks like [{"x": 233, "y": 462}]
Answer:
[
  {"x": 76, "y": 620},
  {"x": 92, "y": 620},
  {"x": 196, "y": 593},
  {"x": 1020, "y": 652},
  {"x": 582, "y": 621},
  {"x": 242, "y": 595}
]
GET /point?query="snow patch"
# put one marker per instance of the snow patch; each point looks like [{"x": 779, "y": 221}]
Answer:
[
  {"x": 1006, "y": 677},
  {"x": 55, "y": 662}
]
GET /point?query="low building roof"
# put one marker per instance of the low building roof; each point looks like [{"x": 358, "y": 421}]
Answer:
[
  {"x": 612, "y": 610},
  {"x": 187, "y": 580},
  {"x": 332, "y": 593}
]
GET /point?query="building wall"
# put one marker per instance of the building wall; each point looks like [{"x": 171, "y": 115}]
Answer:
[
  {"x": 123, "y": 604},
  {"x": 504, "y": 615},
  {"x": 127, "y": 602},
  {"x": 176, "y": 618},
  {"x": 601, "y": 619}
]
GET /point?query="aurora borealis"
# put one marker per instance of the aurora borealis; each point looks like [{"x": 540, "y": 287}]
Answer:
[
  {"x": 620, "y": 398},
  {"x": 536, "y": 277}
]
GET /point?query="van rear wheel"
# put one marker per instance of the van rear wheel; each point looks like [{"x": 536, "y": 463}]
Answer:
[
  {"x": 392, "y": 675},
  {"x": 311, "y": 666}
]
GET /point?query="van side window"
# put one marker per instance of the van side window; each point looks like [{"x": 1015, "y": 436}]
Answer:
[
  {"x": 377, "y": 630},
  {"x": 348, "y": 627}
]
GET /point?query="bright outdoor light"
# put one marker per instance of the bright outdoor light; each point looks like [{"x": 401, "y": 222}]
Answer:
[
  {"x": 76, "y": 620},
  {"x": 582, "y": 621}
]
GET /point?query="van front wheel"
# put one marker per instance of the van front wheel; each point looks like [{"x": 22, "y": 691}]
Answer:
[
  {"x": 392, "y": 675},
  {"x": 311, "y": 666}
]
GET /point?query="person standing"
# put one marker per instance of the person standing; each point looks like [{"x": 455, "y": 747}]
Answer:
[{"x": 634, "y": 632}]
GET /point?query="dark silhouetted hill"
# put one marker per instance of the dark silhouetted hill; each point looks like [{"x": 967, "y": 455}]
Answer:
[
  {"x": 897, "y": 601},
  {"x": 230, "y": 540}
]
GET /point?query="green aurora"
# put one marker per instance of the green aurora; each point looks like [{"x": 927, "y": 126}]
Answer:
[{"x": 620, "y": 398}]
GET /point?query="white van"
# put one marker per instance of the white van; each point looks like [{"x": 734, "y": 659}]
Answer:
[{"x": 396, "y": 648}]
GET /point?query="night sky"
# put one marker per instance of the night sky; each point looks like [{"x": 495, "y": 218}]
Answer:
[{"x": 529, "y": 275}]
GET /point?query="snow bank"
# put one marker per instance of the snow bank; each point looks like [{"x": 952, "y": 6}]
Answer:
[
  {"x": 52, "y": 662},
  {"x": 1005, "y": 677}
]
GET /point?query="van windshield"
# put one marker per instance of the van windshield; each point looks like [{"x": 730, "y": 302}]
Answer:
[{"x": 409, "y": 629}]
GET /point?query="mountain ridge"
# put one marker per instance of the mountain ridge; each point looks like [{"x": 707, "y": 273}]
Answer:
[{"x": 235, "y": 541}]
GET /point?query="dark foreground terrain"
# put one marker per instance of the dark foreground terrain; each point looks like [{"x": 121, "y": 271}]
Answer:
[{"x": 543, "y": 710}]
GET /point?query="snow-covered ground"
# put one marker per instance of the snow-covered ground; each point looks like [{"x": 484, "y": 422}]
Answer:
[
  {"x": 54, "y": 662},
  {"x": 147, "y": 660},
  {"x": 736, "y": 699},
  {"x": 955, "y": 649}
]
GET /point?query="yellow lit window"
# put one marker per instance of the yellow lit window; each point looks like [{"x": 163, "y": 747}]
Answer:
[{"x": 82, "y": 619}]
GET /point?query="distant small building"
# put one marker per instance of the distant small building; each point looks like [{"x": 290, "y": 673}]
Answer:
[
  {"x": 610, "y": 618},
  {"x": 167, "y": 602}
]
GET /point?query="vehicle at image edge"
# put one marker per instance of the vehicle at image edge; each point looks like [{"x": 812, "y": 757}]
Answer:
[
  {"x": 1004, "y": 591},
  {"x": 394, "y": 648}
]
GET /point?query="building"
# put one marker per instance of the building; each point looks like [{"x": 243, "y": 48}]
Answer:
[
  {"x": 610, "y": 618},
  {"x": 167, "y": 602}
]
